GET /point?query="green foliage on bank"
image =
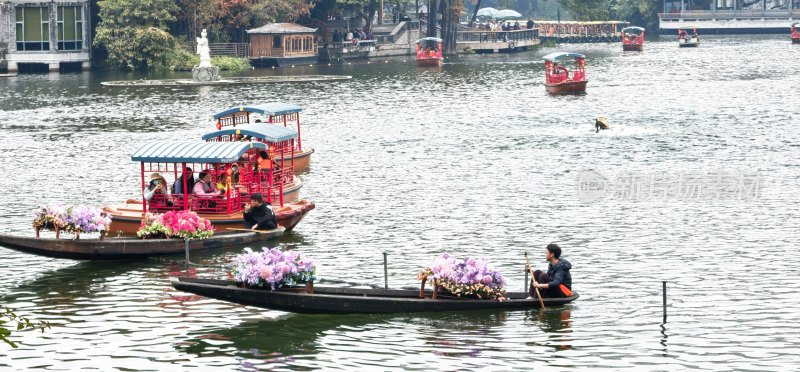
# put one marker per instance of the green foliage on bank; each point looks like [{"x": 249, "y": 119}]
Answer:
[
  {"x": 183, "y": 60},
  {"x": 10, "y": 321},
  {"x": 134, "y": 32}
]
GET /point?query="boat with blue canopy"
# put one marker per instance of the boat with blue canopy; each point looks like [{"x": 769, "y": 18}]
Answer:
[
  {"x": 633, "y": 38},
  {"x": 429, "y": 52},
  {"x": 278, "y": 113},
  {"x": 230, "y": 171},
  {"x": 560, "y": 79},
  {"x": 686, "y": 40}
]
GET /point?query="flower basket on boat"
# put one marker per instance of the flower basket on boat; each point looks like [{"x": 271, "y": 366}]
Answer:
[
  {"x": 273, "y": 269},
  {"x": 75, "y": 219},
  {"x": 180, "y": 224},
  {"x": 465, "y": 278}
]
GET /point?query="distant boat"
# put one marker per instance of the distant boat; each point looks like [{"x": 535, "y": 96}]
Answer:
[
  {"x": 341, "y": 300},
  {"x": 795, "y": 33},
  {"x": 633, "y": 38},
  {"x": 559, "y": 79},
  {"x": 429, "y": 52},
  {"x": 688, "y": 41}
]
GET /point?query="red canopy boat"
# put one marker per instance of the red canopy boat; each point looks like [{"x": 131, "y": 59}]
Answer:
[
  {"x": 559, "y": 79},
  {"x": 685, "y": 40},
  {"x": 795, "y": 32},
  {"x": 270, "y": 113},
  {"x": 237, "y": 168},
  {"x": 633, "y": 38},
  {"x": 429, "y": 52}
]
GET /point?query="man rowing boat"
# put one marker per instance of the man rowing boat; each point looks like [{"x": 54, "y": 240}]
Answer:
[{"x": 557, "y": 281}]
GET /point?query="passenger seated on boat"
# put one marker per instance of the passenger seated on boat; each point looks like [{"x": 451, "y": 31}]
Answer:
[
  {"x": 257, "y": 215},
  {"x": 156, "y": 192},
  {"x": 177, "y": 187},
  {"x": 205, "y": 191},
  {"x": 557, "y": 281}
]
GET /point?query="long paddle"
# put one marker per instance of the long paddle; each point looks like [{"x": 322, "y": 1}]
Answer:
[
  {"x": 533, "y": 279},
  {"x": 254, "y": 231}
]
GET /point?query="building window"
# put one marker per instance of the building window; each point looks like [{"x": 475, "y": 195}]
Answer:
[
  {"x": 33, "y": 28},
  {"x": 70, "y": 28},
  {"x": 276, "y": 42}
]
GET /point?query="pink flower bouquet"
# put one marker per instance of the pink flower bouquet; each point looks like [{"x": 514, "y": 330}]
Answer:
[{"x": 180, "y": 224}]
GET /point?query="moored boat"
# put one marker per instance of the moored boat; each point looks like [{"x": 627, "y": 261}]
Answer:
[
  {"x": 341, "y": 300},
  {"x": 794, "y": 32},
  {"x": 270, "y": 113},
  {"x": 560, "y": 80},
  {"x": 429, "y": 52},
  {"x": 633, "y": 38},
  {"x": 126, "y": 247},
  {"x": 230, "y": 164},
  {"x": 685, "y": 40}
]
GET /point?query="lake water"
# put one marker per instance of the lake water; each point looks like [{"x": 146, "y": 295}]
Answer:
[{"x": 699, "y": 186}]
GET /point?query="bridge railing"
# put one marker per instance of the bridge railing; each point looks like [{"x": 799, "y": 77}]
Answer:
[
  {"x": 228, "y": 49},
  {"x": 729, "y": 14}
]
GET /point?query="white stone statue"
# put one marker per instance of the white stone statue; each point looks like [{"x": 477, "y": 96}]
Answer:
[{"x": 202, "y": 50}]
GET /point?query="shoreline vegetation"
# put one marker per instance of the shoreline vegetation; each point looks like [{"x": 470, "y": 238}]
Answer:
[{"x": 184, "y": 60}]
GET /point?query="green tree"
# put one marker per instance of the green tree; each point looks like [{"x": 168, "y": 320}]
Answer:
[
  {"x": 587, "y": 10},
  {"x": 134, "y": 32},
  {"x": 11, "y": 321}
]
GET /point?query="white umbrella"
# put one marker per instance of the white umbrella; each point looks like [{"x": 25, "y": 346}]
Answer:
[
  {"x": 486, "y": 12},
  {"x": 508, "y": 13},
  {"x": 423, "y": 9}
]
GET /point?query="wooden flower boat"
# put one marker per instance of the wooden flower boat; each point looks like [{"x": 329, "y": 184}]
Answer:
[
  {"x": 429, "y": 52},
  {"x": 794, "y": 32},
  {"x": 558, "y": 79},
  {"x": 338, "y": 300},
  {"x": 688, "y": 41},
  {"x": 228, "y": 163},
  {"x": 270, "y": 113},
  {"x": 633, "y": 38},
  {"x": 127, "y": 247}
]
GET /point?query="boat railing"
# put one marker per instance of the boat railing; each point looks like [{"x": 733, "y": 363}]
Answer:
[
  {"x": 493, "y": 36},
  {"x": 214, "y": 204},
  {"x": 234, "y": 119}
]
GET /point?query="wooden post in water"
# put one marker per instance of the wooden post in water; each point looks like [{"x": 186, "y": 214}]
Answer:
[
  {"x": 664, "y": 298},
  {"x": 186, "y": 247},
  {"x": 385, "y": 272},
  {"x": 527, "y": 283}
]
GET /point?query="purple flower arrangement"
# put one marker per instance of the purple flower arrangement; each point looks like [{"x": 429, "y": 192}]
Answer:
[
  {"x": 77, "y": 219},
  {"x": 470, "y": 277},
  {"x": 273, "y": 269}
]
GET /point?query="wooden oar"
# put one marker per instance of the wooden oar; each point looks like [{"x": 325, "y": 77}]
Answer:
[
  {"x": 254, "y": 231},
  {"x": 533, "y": 279}
]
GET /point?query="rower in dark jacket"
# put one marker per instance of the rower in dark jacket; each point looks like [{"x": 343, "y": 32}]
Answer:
[
  {"x": 557, "y": 281},
  {"x": 257, "y": 215}
]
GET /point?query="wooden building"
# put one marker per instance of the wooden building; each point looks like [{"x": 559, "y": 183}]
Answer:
[{"x": 282, "y": 44}]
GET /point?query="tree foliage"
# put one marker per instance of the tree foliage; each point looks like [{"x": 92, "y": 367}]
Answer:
[
  {"x": 10, "y": 321},
  {"x": 134, "y": 32},
  {"x": 587, "y": 10}
]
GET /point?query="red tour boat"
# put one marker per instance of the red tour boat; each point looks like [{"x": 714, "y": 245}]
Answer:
[
  {"x": 233, "y": 166},
  {"x": 633, "y": 38},
  {"x": 429, "y": 52},
  {"x": 795, "y": 32},
  {"x": 560, "y": 80},
  {"x": 688, "y": 41},
  {"x": 270, "y": 113}
]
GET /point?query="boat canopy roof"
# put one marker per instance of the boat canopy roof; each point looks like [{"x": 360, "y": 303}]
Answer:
[
  {"x": 265, "y": 132},
  {"x": 194, "y": 152},
  {"x": 271, "y": 109},
  {"x": 436, "y": 39},
  {"x": 633, "y": 29},
  {"x": 796, "y": 24},
  {"x": 560, "y": 56}
]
